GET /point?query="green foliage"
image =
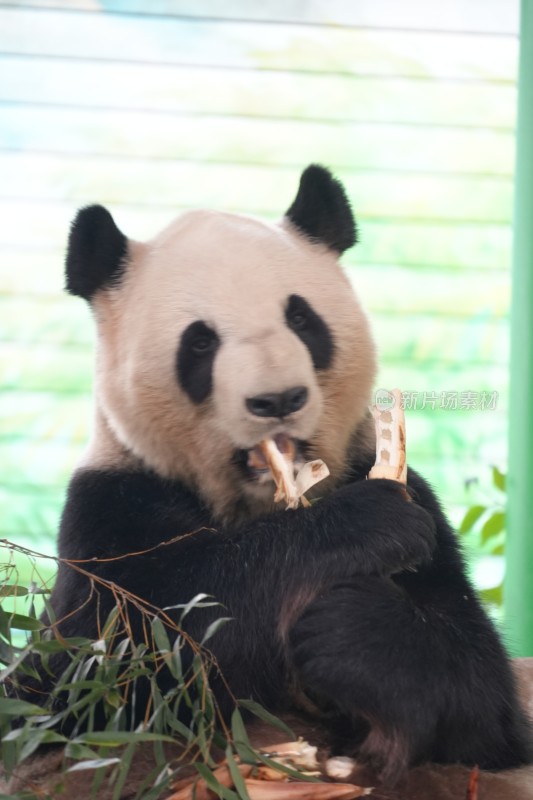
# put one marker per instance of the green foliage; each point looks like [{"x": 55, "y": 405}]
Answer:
[
  {"x": 483, "y": 525},
  {"x": 107, "y": 672}
]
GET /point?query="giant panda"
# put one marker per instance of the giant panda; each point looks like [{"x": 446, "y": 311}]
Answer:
[{"x": 356, "y": 611}]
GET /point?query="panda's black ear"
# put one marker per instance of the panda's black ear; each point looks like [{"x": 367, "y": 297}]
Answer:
[
  {"x": 96, "y": 254},
  {"x": 322, "y": 211}
]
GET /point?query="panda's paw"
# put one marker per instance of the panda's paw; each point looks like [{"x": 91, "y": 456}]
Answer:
[{"x": 390, "y": 531}]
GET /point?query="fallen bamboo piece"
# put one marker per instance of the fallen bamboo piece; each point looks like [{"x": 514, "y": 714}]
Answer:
[
  {"x": 300, "y": 790},
  {"x": 299, "y": 755},
  {"x": 340, "y": 767},
  {"x": 267, "y": 783},
  {"x": 473, "y": 783},
  {"x": 265, "y": 773},
  {"x": 197, "y": 789}
]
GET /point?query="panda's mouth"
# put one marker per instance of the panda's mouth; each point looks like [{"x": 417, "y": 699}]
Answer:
[{"x": 253, "y": 464}]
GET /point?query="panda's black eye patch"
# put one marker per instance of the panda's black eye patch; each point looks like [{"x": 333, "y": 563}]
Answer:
[
  {"x": 311, "y": 329},
  {"x": 195, "y": 358}
]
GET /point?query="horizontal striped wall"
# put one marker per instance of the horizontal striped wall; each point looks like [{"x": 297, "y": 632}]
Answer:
[{"x": 155, "y": 107}]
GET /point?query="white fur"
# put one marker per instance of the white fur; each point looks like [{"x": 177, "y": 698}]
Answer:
[{"x": 234, "y": 273}]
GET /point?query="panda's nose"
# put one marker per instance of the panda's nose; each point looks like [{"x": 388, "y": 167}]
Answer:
[{"x": 278, "y": 405}]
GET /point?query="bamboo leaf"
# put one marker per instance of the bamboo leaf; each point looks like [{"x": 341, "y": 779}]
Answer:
[
  {"x": 214, "y": 785},
  {"x": 213, "y": 628},
  {"x": 12, "y": 590},
  {"x": 94, "y": 763},
  {"x": 292, "y": 773},
  {"x": 15, "y": 708},
  {"x": 241, "y": 741},
  {"x": 160, "y": 636},
  {"x": 260, "y": 712},
  {"x": 237, "y": 778},
  {"x": 78, "y": 751},
  {"x": 6, "y": 653},
  {"x": 24, "y": 623},
  {"x": 114, "y": 699},
  {"x": 196, "y": 602},
  {"x": 238, "y": 728},
  {"x": 118, "y": 738},
  {"x": 125, "y": 764},
  {"x": 55, "y": 646},
  {"x": 36, "y": 739},
  {"x": 17, "y": 663},
  {"x": 5, "y": 629},
  {"x": 180, "y": 728}
]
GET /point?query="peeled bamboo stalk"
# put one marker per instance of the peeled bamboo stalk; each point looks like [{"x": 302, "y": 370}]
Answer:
[
  {"x": 390, "y": 441},
  {"x": 282, "y": 469},
  {"x": 291, "y": 488}
]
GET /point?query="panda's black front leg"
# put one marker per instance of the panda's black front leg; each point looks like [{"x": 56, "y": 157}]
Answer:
[
  {"x": 352, "y": 637},
  {"x": 267, "y": 571},
  {"x": 362, "y": 648},
  {"x": 383, "y": 529}
]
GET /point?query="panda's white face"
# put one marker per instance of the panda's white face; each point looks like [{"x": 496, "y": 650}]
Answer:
[
  {"x": 220, "y": 332},
  {"x": 235, "y": 347}
]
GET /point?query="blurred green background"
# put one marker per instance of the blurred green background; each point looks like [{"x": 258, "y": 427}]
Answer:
[{"x": 151, "y": 107}]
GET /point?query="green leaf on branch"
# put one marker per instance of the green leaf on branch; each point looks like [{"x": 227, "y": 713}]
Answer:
[
  {"x": 266, "y": 716},
  {"x": 213, "y": 628},
  {"x": 21, "y": 622},
  {"x": 118, "y": 738},
  {"x": 95, "y": 763},
  {"x": 237, "y": 778},
  {"x": 471, "y": 517},
  {"x": 160, "y": 636},
  {"x": 12, "y": 590},
  {"x": 493, "y": 595},
  {"x": 493, "y": 526},
  {"x": 214, "y": 785},
  {"x": 499, "y": 479},
  {"x": 19, "y": 708}
]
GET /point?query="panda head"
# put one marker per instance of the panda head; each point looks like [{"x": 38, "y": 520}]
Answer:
[{"x": 219, "y": 332}]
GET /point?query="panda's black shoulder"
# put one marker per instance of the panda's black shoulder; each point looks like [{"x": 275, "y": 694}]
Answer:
[
  {"x": 445, "y": 579},
  {"x": 423, "y": 493},
  {"x": 107, "y": 510}
]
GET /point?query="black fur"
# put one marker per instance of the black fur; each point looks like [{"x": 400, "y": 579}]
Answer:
[
  {"x": 322, "y": 211},
  {"x": 195, "y": 359},
  {"x": 96, "y": 255},
  {"x": 311, "y": 329},
  {"x": 361, "y": 600}
]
